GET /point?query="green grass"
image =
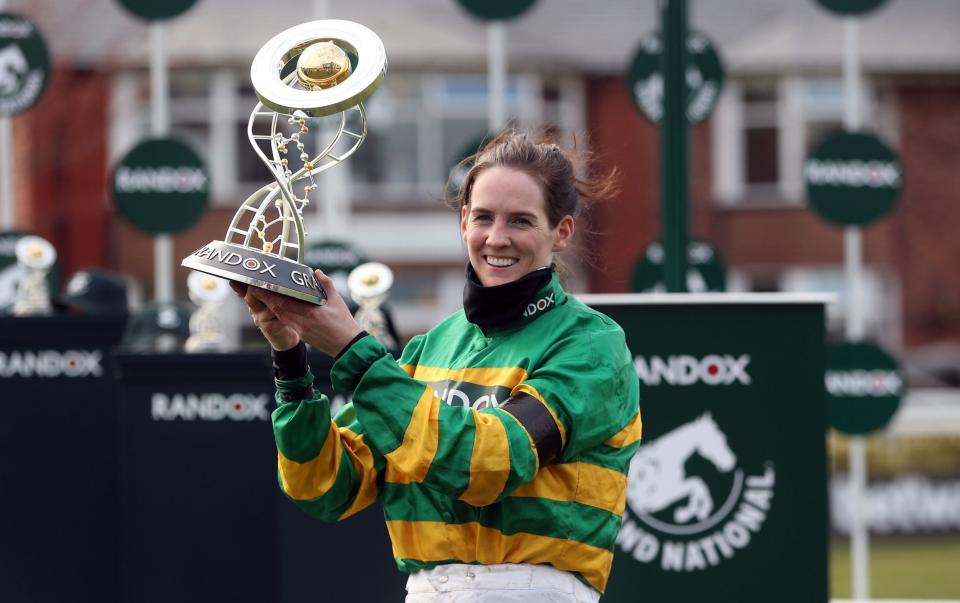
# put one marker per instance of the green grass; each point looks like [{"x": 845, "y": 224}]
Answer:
[{"x": 925, "y": 567}]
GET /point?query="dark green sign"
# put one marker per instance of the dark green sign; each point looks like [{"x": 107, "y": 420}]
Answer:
[
  {"x": 161, "y": 186},
  {"x": 726, "y": 497},
  {"x": 24, "y": 64},
  {"x": 850, "y": 7},
  {"x": 853, "y": 178},
  {"x": 497, "y": 10},
  {"x": 336, "y": 259},
  {"x": 706, "y": 271},
  {"x": 704, "y": 77},
  {"x": 11, "y": 273},
  {"x": 864, "y": 387},
  {"x": 157, "y": 9}
]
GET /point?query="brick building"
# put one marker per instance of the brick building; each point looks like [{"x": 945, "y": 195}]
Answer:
[{"x": 783, "y": 91}]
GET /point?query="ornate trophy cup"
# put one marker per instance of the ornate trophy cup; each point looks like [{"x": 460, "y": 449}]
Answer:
[
  {"x": 35, "y": 256},
  {"x": 338, "y": 65},
  {"x": 369, "y": 285},
  {"x": 211, "y": 327}
]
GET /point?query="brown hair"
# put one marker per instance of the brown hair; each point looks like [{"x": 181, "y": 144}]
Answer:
[{"x": 556, "y": 170}]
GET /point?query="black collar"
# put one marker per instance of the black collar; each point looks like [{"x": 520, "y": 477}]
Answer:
[{"x": 501, "y": 304}]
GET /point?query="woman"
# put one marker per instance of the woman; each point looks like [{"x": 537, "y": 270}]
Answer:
[{"x": 499, "y": 443}]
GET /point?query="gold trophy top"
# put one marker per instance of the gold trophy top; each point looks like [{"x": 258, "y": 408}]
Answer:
[{"x": 322, "y": 65}]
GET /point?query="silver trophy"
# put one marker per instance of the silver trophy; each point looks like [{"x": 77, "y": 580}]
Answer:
[
  {"x": 35, "y": 257},
  {"x": 369, "y": 285},
  {"x": 338, "y": 65},
  {"x": 211, "y": 327}
]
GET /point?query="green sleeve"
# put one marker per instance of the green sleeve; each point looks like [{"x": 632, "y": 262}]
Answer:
[
  {"x": 476, "y": 456},
  {"x": 588, "y": 381},
  {"x": 325, "y": 467}
]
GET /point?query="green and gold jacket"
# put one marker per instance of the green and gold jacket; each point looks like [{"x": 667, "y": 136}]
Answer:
[{"x": 457, "y": 470}]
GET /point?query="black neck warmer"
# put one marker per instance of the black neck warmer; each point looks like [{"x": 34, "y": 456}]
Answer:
[{"x": 501, "y": 304}]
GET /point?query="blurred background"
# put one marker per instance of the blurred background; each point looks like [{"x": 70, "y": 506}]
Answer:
[{"x": 567, "y": 66}]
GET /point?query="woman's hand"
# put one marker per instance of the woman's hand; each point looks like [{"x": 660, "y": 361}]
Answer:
[
  {"x": 280, "y": 336},
  {"x": 328, "y": 328}
]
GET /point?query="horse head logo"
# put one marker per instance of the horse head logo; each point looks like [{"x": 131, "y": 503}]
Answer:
[
  {"x": 657, "y": 478},
  {"x": 13, "y": 66}
]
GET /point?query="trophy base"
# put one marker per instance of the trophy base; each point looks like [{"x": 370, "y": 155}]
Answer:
[{"x": 257, "y": 268}]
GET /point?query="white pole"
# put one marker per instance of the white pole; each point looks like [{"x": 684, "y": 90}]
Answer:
[
  {"x": 853, "y": 254},
  {"x": 6, "y": 173},
  {"x": 333, "y": 203},
  {"x": 160, "y": 126},
  {"x": 497, "y": 75},
  {"x": 6, "y": 166}
]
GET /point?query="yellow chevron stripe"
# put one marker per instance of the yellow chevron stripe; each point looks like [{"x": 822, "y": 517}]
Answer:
[
  {"x": 579, "y": 482},
  {"x": 473, "y": 543},
  {"x": 410, "y": 461},
  {"x": 504, "y": 377},
  {"x": 306, "y": 481},
  {"x": 362, "y": 459},
  {"x": 629, "y": 434},
  {"x": 529, "y": 389},
  {"x": 489, "y": 463}
]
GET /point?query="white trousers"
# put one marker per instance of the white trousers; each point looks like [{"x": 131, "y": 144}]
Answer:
[{"x": 502, "y": 583}]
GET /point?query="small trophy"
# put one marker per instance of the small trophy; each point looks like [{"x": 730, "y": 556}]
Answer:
[
  {"x": 317, "y": 69},
  {"x": 35, "y": 256},
  {"x": 210, "y": 325},
  {"x": 369, "y": 285}
]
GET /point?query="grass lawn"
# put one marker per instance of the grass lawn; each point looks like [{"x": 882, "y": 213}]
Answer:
[{"x": 925, "y": 567}]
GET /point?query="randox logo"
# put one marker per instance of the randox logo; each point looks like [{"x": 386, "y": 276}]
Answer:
[
  {"x": 540, "y": 305},
  {"x": 712, "y": 369},
  {"x": 861, "y": 384},
  {"x": 185, "y": 179},
  {"x": 470, "y": 395},
  {"x": 51, "y": 363},
  {"x": 209, "y": 407},
  {"x": 232, "y": 258},
  {"x": 684, "y": 522},
  {"x": 853, "y": 173}
]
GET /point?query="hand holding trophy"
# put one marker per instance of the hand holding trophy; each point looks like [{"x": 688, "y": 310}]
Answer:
[{"x": 339, "y": 64}]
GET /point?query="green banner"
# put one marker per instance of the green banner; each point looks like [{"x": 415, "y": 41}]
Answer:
[
  {"x": 853, "y": 178},
  {"x": 727, "y": 495},
  {"x": 161, "y": 186},
  {"x": 24, "y": 64},
  {"x": 705, "y": 269},
  {"x": 704, "y": 77},
  {"x": 864, "y": 387}
]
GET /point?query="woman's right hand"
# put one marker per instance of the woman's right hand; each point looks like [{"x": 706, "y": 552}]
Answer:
[{"x": 280, "y": 336}]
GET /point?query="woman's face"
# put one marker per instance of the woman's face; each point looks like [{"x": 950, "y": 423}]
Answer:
[{"x": 506, "y": 228}]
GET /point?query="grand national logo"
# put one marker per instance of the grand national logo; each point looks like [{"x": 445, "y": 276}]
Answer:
[{"x": 691, "y": 504}]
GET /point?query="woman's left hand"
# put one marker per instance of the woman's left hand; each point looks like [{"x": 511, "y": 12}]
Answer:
[{"x": 328, "y": 328}]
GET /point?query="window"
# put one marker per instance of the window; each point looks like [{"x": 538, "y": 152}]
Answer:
[
  {"x": 418, "y": 124},
  {"x": 763, "y": 130}
]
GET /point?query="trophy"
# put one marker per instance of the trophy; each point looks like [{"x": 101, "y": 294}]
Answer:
[
  {"x": 319, "y": 69},
  {"x": 35, "y": 256},
  {"x": 369, "y": 284},
  {"x": 210, "y": 326}
]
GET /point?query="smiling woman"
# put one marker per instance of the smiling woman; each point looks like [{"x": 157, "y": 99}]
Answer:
[{"x": 499, "y": 443}]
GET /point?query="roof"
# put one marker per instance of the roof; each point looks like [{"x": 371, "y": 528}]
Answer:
[{"x": 753, "y": 36}]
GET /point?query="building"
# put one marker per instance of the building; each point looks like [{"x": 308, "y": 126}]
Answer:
[{"x": 567, "y": 63}]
